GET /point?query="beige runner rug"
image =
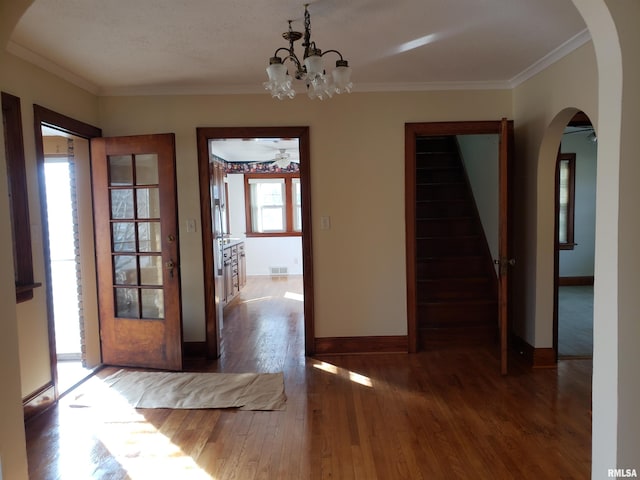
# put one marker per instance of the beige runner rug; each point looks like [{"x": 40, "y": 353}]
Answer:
[{"x": 183, "y": 390}]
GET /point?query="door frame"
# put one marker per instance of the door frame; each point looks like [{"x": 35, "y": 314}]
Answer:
[
  {"x": 412, "y": 131},
  {"x": 204, "y": 134},
  {"x": 44, "y": 116}
]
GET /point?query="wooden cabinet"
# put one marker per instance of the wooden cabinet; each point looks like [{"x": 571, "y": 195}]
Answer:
[
  {"x": 234, "y": 266},
  {"x": 242, "y": 266}
]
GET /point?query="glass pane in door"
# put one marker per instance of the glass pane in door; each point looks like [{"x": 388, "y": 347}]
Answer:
[
  {"x": 122, "y": 203},
  {"x": 149, "y": 239},
  {"x": 123, "y": 236},
  {"x": 148, "y": 202},
  {"x": 126, "y": 303},
  {"x": 120, "y": 170},
  {"x": 152, "y": 303},
  {"x": 136, "y": 236},
  {"x": 147, "y": 169}
]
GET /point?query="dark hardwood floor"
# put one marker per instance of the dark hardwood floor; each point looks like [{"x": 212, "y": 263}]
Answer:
[{"x": 440, "y": 414}]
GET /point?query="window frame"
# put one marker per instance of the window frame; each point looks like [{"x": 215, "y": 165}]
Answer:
[
  {"x": 288, "y": 205},
  {"x": 570, "y": 158},
  {"x": 18, "y": 197}
]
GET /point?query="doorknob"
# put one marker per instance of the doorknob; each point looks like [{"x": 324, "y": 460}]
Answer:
[
  {"x": 504, "y": 264},
  {"x": 511, "y": 261},
  {"x": 170, "y": 266}
]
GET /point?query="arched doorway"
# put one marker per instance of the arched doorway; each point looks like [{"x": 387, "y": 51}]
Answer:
[{"x": 575, "y": 196}]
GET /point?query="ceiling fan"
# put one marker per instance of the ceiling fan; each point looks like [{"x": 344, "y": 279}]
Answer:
[{"x": 282, "y": 159}]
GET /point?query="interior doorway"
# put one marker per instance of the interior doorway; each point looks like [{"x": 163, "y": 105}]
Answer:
[
  {"x": 446, "y": 235},
  {"x": 256, "y": 222},
  {"x": 575, "y": 239}
]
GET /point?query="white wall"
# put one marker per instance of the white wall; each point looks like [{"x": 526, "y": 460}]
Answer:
[
  {"x": 543, "y": 106},
  {"x": 261, "y": 252},
  {"x": 579, "y": 262},
  {"x": 480, "y": 156}
]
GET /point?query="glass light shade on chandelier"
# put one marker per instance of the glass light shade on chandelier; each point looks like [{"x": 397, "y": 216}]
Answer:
[
  {"x": 279, "y": 83},
  {"x": 310, "y": 70}
]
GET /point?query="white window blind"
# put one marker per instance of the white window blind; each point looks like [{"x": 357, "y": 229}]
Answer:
[
  {"x": 563, "y": 200},
  {"x": 297, "y": 204},
  {"x": 268, "y": 213}
]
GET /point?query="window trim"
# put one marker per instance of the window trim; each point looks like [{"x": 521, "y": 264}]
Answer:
[
  {"x": 288, "y": 203},
  {"x": 19, "y": 198},
  {"x": 570, "y": 158}
]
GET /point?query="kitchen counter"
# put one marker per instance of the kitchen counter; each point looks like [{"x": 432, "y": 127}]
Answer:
[{"x": 230, "y": 242}]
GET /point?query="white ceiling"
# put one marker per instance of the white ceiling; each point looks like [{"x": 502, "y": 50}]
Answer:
[
  {"x": 254, "y": 149},
  {"x": 114, "y": 47}
]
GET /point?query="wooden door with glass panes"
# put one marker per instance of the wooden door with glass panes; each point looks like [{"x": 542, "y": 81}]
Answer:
[{"x": 135, "y": 210}]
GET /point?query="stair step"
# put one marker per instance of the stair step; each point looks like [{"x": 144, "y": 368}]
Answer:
[
  {"x": 433, "y": 338},
  {"x": 442, "y": 191},
  {"x": 437, "y": 160},
  {"x": 443, "y": 208},
  {"x": 435, "y": 144},
  {"x": 439, "y": 175},
  {"x": 451, "y": 267},
  {"x": 446, "y": 227},
  {"x": 449, "y": 246},
  {"x": 442, "y": 289},
  {"x": 468, "y": 313}
]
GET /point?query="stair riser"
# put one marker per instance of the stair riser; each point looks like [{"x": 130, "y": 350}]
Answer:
[
  {"x": 443, "y": 210},
  {"x": 430, "y": 339},
  {"x": 451, "y": 267},
  {"x": 435, "y": 144},
  {"x": 439, "y": 175},
  {"x": 442, "y": 191},
  {"x": 448, "y": 289},
  {"x": 446, "y": 227},
  {"x": 441, "y": 315},
  {"x": 434, "y": 247}
]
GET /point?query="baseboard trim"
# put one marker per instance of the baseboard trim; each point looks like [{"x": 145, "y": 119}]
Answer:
[
  {"x": 39, "y": 401},
  {"x": 347, "y": 345},
  {"x": 194, "y": 349},
  {"x": 534, "y": 357},
  {"x": 575, "y": 281}
]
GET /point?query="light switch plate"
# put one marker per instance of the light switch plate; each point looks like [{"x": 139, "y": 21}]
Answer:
[{"x": 325, "y": 223}]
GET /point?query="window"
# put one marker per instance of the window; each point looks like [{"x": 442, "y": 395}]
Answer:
[
  {"x": 297, "y": 204},
  {"x": 566, "y": 199},
  {"x": 273, "y": 205}
]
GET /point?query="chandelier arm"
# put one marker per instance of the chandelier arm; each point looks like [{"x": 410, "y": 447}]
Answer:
[
  {"x": 275, "y": 54},
  {"x": 292, "y": 56},
  {"x": 332, "y": 51}
]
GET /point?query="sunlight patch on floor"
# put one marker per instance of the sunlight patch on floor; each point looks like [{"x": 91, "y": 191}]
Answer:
[
  {"x": 335, "y": 370},
  {"x": 135, "y": 443},
  {"x": 294, "y": 296}
]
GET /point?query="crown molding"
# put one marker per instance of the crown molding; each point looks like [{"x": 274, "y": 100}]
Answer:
[
  {"x": 150, "y": 90},
  {"x": 51, "y": 67},
  {"x": 552, "y": 57},
  {"x": 252, "y": 89}
]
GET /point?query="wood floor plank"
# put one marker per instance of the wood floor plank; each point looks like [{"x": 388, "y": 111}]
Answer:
[{"x": 433, "y": 415}]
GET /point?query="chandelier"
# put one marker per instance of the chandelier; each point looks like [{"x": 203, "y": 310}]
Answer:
[{"x": 310, "y": 69}]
